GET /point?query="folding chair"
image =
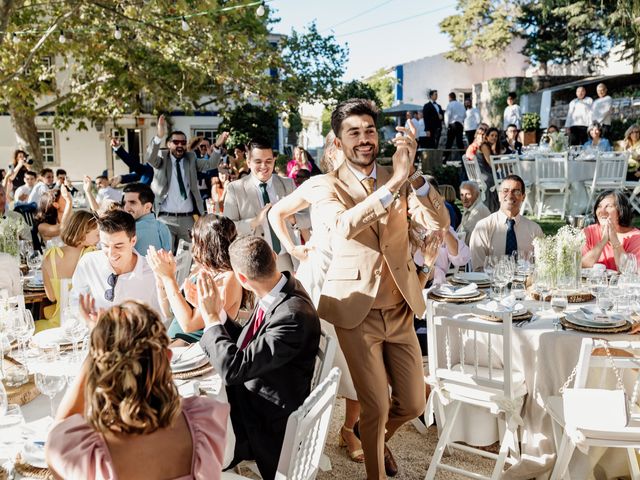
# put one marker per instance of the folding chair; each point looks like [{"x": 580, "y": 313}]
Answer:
[
  {"x": 610, "y": 174},
  {"x": 473, "y": 173},
  {"x": 504, "y": 165},
  {"x": 552, "y": 178}
]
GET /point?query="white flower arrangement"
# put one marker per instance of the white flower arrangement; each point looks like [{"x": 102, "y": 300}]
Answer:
[
  {"x": 559, "y": 142},
  {"x": 10, "y": 229},
  {"x": 558, "y": 256}
]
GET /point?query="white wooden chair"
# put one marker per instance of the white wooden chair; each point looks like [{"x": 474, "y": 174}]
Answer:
[
  {"x": 626, "y": 437},
  {"x": 504, "y": 165},
  {"x": 610, "y": 174},
  {"x": 476, "y": 381},
  {"x": 552, "y": 178},
  {"x": 183, "y": 261},
  {"x": 306, "y": 433},
  {"x": 324, "y": 358},
  {"x": 473, "y": 173},
  {"x": 634, "y": 197}
]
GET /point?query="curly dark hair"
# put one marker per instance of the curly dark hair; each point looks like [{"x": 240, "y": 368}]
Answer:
[{"x": 212, "y": 235}]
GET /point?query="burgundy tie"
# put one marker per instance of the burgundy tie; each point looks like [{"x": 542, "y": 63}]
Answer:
[{"x": 257, "y": 322}]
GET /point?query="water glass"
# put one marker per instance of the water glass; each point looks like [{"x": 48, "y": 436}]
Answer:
[
  {"x": 74, "y": 327},
  {"x": 11, "y": 431},
  {"x": 34, "y": 261},
  {"x": 518, "y": 290},
  {"x": 559, "y": 303}
]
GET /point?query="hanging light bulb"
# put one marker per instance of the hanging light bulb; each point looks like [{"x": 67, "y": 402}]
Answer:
[
  {"x": 184, "y": 24},
  {"x": 62, "y": 38},
  {"x": 118, "y": 33},
  {"x": 260, "y": 11},
  {"x": 15, "y": 38}
]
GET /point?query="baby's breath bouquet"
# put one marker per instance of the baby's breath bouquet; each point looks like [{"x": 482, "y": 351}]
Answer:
[
  {"x": 9, "y": 232},
  {"x": 559, "y": 142},
  {"x": 559, "y": 256}
]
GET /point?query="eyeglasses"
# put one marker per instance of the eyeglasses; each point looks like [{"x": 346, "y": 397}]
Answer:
[
  {"x": 179, "y": 142},
  {"x": 517, "y": 192},
  {"x": 110, "y": 294}
]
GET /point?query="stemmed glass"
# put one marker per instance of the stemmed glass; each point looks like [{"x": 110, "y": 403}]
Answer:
[
  {"x": 74, "y": 328},
  {"x": 34, "y": 261},
  {"x": 559, "y": 304},
  {"x": 501, "y": 276},
  {"x": 489, "y": 265},
  {"x": 542, "y": 285},
  {"x": 628, "y": 264},
  {"x": 50, "y": 379},
  {"x": 3, "y": 400},
  {"x": 22, "y": 326}
]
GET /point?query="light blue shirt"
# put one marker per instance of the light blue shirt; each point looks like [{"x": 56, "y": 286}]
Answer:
[
  {"x": 604, "y": 145},
  {"x": 149, "y": 231}
]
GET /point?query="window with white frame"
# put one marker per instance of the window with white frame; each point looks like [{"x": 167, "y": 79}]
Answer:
[
  {"x": 47, "y": 140},
  {"x": 208, "y": 133}
]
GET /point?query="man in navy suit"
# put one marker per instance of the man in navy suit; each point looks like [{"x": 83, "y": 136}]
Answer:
[{"x": 433, "y": 116}]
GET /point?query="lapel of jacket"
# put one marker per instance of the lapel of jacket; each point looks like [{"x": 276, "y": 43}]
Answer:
[
  {"x": 354, "y": 189},
  {"x": 278, "y": 186},
  {"x": 251, "y": 195}
]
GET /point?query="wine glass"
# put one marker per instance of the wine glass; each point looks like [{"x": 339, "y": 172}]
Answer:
[
  {"x": 559, "y": 304},
  {"x": 3, "y": 400},
  {"x": 50, "y": 377},
  {"x": 74, "y": 327},
  {"x": 518, "y": 290},
  {"x": 22, "y": 326},
  {"x": 501, "y": 276},
  {"x": 489, "y": 265},
  {"x": 34, "y": 261},
  {"x": 628, "y": 264},
  {"x": 542, "y": 284}
]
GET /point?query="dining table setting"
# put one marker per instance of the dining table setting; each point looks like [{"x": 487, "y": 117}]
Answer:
[{"x": 549, "y": 321}]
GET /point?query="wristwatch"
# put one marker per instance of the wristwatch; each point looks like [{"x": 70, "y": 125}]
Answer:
[{"x": 425, "y": 268}]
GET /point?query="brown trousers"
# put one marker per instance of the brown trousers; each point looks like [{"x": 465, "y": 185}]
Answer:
[{"x": 383, "y": 350}]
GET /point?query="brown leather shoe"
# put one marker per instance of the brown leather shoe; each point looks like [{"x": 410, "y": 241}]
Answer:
[{"x": 390, "y": 465}]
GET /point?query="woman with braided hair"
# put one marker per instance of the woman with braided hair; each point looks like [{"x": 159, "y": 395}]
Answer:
[{"x": 123, "y": 418}]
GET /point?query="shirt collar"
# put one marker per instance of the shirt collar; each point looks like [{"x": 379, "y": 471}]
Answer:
[
  {"x": 256, "y": 181},
  {"x": 269, "y": 299},
  {"x": 361, "y": 176},
  {"x": 503, "y": 217}
]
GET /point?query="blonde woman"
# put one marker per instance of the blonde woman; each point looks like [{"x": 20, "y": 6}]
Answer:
[
  {"x": 123, "y": 418},
  {"x": 631, "y": 144},
  {"x": 80, "y": 235}
]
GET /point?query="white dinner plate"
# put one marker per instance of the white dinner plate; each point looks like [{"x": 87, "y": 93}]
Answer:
[
  {"x": 610, "y": 321},
  {"x": 190, "y": 364},
  {"x": 515, "y": 313},
  {"x": 51, "y": 335},
  {"x": 472, "y": 277},
  {"x": 33, "y": 454},
  {"x": 446, "y": 294}
]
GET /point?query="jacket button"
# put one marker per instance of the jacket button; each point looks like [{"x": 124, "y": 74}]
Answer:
[
  {"x": 395, "y": 291},
  {"x": 377, "y": 273}
]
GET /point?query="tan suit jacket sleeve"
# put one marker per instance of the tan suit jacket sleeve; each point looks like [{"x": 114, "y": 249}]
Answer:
[
  {"x": 428, "y": 210},
  {"x": 232, "y": 209}
]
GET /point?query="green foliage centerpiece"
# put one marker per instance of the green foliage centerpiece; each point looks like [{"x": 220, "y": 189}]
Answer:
[
  {"x": 559, "y": 257},
  {"x": 9, "y": 233}
]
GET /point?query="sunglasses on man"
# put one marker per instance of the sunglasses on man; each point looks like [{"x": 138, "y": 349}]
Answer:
[
  {"x": 109, "y": 294},
  {"x": 179, "y": 142}
]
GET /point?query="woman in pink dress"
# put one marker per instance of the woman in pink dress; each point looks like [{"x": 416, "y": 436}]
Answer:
[
  {"x": 123, "y": 418},
  {"x": 612, "y": 235},
  {"x": 299, "y": 161}
]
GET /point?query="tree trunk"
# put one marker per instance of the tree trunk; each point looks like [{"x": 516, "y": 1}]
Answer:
[{"x": 24, "y": 123}]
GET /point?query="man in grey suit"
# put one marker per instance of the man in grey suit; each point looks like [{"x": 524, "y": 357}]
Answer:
[
  {"x": 249, "y": 199},
  {"x": 175, "y": 180}
]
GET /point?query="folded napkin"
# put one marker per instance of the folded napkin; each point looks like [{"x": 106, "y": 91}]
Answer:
[
  {"x": 507, "y": 304},
  {"x": 594, "y": 313},
  {"x": 186, "y": 354},
  {"x": 451, "y": 290}
]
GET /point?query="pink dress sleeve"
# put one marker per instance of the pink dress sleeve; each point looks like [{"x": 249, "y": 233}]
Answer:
[
  {"x": 207, "y": 420},
  {"x": 290, "y": 167},
  {"x": 75, "y": 450},
  {"x": 631, "y": 244},
  {"x": 593, "y": 235}
]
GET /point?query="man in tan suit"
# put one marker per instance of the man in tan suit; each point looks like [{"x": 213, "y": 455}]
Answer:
[
  {"x": 371, "y": 290},
  {"x": 249, "y": 199}
]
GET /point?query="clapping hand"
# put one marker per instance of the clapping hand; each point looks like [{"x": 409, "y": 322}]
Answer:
[
  {"x": 87, "y": 183},
  {"x": 209, "y": 301},
  {"x": 66, "y": 194},
  {"x": 162, "y": 126},
  {"x": 162, "y": 263},
  {"x": 88, "y": 310},
  {"x": 406, "y": 147},
  {"x": 431, "y": 247},
  {"x": 301, "y": 252}
]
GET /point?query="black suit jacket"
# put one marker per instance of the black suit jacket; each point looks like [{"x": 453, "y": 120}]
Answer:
[
  {"x": 271, "y": 377},
  {"x": 432, "y": 120}
]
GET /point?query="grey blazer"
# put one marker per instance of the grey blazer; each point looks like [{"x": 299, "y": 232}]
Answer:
[{"x": 161, "y": 163}]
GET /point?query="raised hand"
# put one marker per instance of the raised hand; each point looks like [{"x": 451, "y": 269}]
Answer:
[
  {"x": 221, "y": 140},
  {"x": 87, "y": 183},
  {"x": 162, "y": 263},
  {"x": 115, "y": 142},
  {"x": 88, "y": 310},
  {"x": 162, "y": 126},
  {"x": 209, "y": 301},
  {"x": 115, "y": 181},
  {"x": 66, "y": 194},
  {"x": 301, "y": 252}
]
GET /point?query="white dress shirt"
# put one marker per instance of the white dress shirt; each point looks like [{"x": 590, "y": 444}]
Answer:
[
  {"x": 174, "y": 203},
  {"x": 38, "y": 190},
  {"x": 421, "y": 132},
  {"x": 109, "y": 193},
  {"x": 273, "y": 197},
  {"x": 579, "y": 114},
  {"x": 94, "y": 269},
  {"x": 471, "y": 119},
  {"x": 455, "y": 113},
  {"x": 22, "y": 190},
  {"x": 415, "y": 125},
  {"x": 512, "y": 114},
  {"x": 601, "y": 110}
]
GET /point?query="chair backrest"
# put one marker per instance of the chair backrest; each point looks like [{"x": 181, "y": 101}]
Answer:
[
  {"x": 552, "y": 167},
  {"x": 183, "y": 264},
  {"x": 484, "y": 347},
  {"x": 307, "y": 430},
  {"x": 473, "y": 173},
  {"x": 611, "y": 170},
  {"x": 324, "y": 358},
  {"x": 504, "y": 165}
]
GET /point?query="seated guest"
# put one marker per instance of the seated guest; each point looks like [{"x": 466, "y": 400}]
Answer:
[
  {"x": 505, "y": 231},
  {"x": 552, "y": 129},
  {"x": 631, "y": 144},
  {"x": 595, "y": 139},
  {"x": 122, "y": 418},
  {"x": 79, "y": 235},
  {"x": 451, "y": 251},
  {"x": 21, "y": 195},
  {"x": 106, "y": 191},
  {"x": 44, "y": 185},
  {"x": 474, "y": 209},
  {"x": 267, "y": 365},
  {"x": 54, "y": 211},
  {"x": 453, "y": 210},
  {"x": 138, "y": 201},
  {"x": 6, "y": 213},
  {"x": 116, "y": 272},
  {"x": 612, "y": 235},
  {"x": 211, "y": 236},
  {"x": 511, "y": 145},
  {"x": 475, "y": 153}
]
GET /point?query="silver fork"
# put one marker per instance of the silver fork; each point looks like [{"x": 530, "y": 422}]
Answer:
[{"x": 177, "y": 358}]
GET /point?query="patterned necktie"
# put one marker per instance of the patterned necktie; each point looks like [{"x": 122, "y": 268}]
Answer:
[
  {"x": 368, "y": 184},
  {"x": 253, "y": 329},
  {"x": 512, "y": 242},
  {"x": 275, "y": 241},
  {"x": 183, "y": 190}
]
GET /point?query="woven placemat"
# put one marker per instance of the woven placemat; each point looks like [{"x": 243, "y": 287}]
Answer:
[
  {"x": 525, "y": 317},
  {"x": 579, "y": 328},
  {"x": 581, "y": 297},
  {"x": 193, "y": 373},
  {"x": 438, "y": 298},
  {"x": 24, "y": 393},
  {"x": 27, "y": 470}
]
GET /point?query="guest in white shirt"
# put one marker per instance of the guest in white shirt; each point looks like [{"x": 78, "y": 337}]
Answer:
[
  {"x": 411, "y": 117},
  {"x": 106, "y": 191},
  {"x": 44, "y": 185},
  {"x": 117, "y": 272},
  {"x": 454, "y": 117},
  {"x": 579, "y": 117},
  {"x": 474, "y": 209},
  {"x": 421, "y": 133},
  {"x": 471, "y": 121},
  {"x": 512, "y": 113},
  {"x": 21, "y": 195},
  {"x": 601, "y": 110},
  {"x": 505, "y": 231}
]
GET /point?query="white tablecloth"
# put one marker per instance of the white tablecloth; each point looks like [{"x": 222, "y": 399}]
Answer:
[
  {"x": 546, "y": 357},
  {"x": 579, "y": 171}
]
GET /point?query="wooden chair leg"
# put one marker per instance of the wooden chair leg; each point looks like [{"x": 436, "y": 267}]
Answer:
[
  {"x": 634, "y": 468},
  {"x": 564, "y": 457},
  {"x": 442, "y": 443}
]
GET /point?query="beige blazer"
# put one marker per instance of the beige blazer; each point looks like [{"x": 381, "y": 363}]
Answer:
[{"x": 363, "y": 235}]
